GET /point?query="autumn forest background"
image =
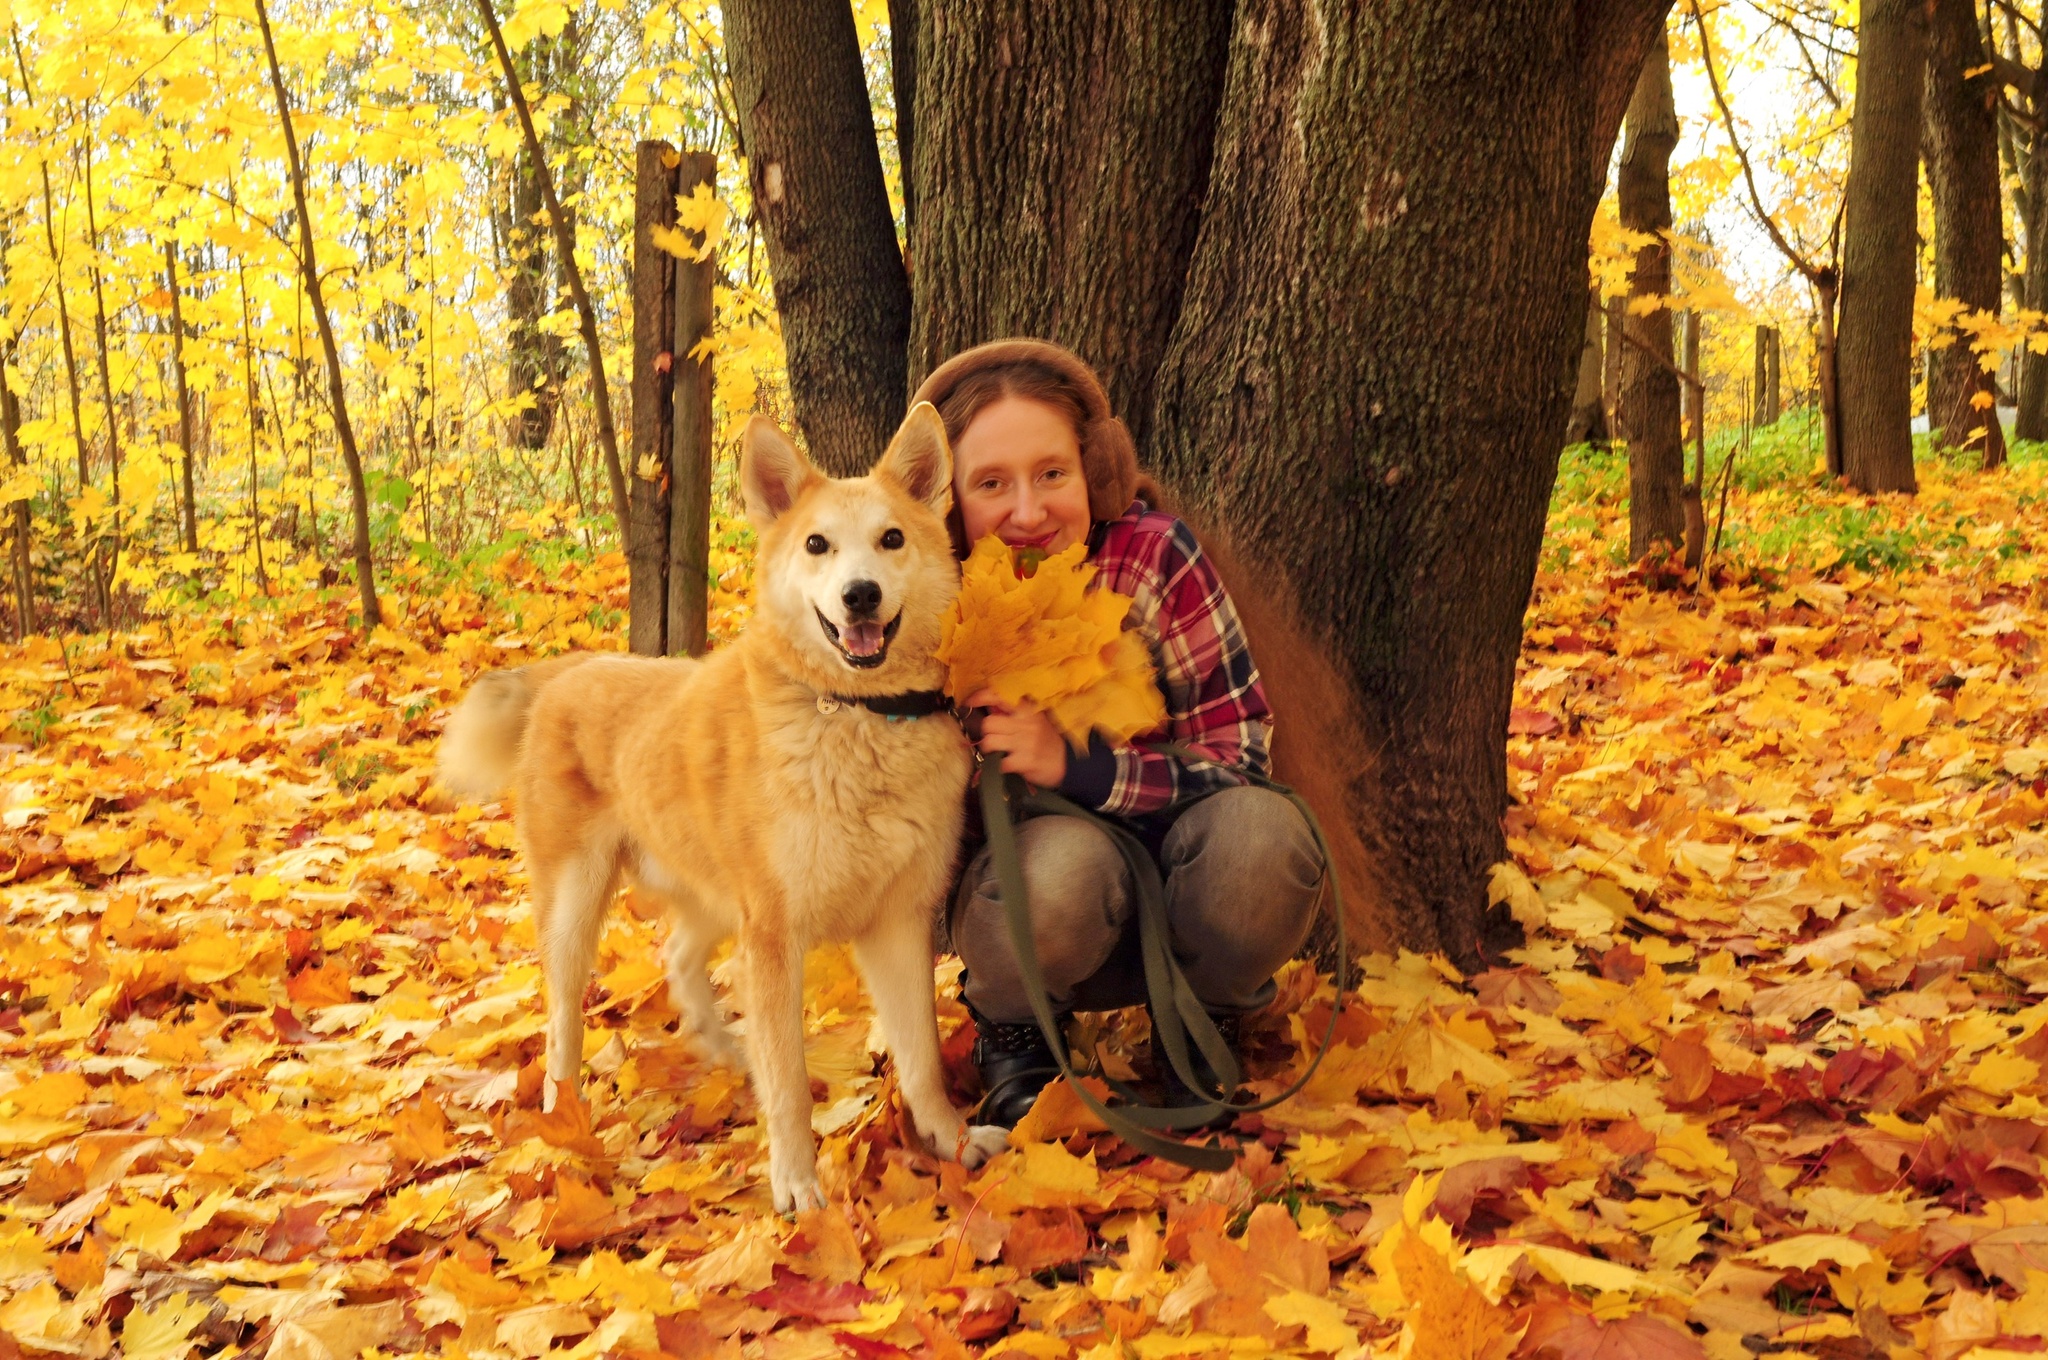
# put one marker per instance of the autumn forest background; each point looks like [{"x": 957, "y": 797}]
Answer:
[{"x": 1640, "y": 408}]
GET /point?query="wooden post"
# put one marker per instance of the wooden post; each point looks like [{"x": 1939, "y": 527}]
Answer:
[
  {"x": 689, "y": 526},
  {"x": 647, "y": 533}
]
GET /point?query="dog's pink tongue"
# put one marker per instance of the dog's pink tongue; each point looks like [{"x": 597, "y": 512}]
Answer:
[{"x": 861, "y": 639}]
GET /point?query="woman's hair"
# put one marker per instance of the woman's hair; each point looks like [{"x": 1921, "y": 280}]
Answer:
[
  {"x": 1025, "y": 378},
  {"x": 971, "y": 381}
]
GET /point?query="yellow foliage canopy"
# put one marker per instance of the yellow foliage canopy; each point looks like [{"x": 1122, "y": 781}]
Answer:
[{"x": 1047, "y": 641}]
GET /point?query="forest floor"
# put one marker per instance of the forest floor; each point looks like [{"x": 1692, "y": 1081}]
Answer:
[{"x": 1767, "y": 1078}]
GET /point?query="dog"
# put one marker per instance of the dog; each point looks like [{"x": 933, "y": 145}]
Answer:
[{"x": 757, "y": 792}]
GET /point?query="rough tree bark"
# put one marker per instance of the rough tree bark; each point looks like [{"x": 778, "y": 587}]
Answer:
[
  {"x": 1370, "y": 370},
  {"x": 903, "y": 83},
  {"x": 1080, "y": 229},
  {"x": 337, "y": 396},
  {"x": 1589, "y": 416},
  {"x": 1879, "y": 243},
  {"x": 1961, "y": 146},
  {"x": 816, "y": 174},
  {"x": 1650, "y": 396}
]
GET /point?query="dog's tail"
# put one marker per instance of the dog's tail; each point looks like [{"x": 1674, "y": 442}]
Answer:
[{"x": 480, "y": 748}]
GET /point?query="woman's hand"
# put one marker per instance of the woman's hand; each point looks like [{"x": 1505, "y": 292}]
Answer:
[{"x": 1025, "y": 739}]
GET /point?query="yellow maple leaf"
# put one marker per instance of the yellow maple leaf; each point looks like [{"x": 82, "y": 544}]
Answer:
[
  {"x": 160, "y": 1333},
  {"x": 1049, "y": 642}
]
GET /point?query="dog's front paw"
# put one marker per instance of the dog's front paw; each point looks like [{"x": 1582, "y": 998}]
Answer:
[
  {"x": 981, "y": 1142},
  {"x": 795, "y": 1188}
]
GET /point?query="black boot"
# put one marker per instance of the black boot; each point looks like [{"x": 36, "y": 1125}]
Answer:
[
  {"x": 1015, "y": 1064},
  {"x": 1176, "y": 1092}
]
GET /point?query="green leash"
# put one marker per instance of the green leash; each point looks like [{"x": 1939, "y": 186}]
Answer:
[{"x": 1177, "y": 1013}]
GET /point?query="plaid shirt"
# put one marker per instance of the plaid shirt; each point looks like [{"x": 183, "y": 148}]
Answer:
[{"x": 1214, "y": 702}]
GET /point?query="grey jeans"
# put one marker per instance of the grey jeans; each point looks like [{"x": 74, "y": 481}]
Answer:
[{"x": 1241, "y": 871}]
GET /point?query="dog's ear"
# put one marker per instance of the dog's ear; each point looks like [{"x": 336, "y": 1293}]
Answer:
[
  {"x": 773, "y": 472},
  {"x": 920, "y": 460}
]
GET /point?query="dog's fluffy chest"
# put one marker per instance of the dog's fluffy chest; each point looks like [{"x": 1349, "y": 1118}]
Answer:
[{"x": 867, "y": 798}]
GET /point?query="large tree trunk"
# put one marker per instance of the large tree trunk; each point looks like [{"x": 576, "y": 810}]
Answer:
[
  {"x": 1874, "y": 372},
  {"x": 1961, "y": 143},
  {"x": 1372, "y": 365},
  {"x": 1062, "y": 156},
  {"x": 1650, "y": 396},
  {"x": 816, "y": 175},
  {"x": 1589, "y": 417}
]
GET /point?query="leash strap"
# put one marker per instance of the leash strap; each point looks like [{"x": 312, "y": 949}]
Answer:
[{"x": 1177, "y": 1013}]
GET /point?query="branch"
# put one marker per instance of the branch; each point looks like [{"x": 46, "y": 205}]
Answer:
[
  {"x": 1799, "y": 261},
  {"x": 2012, "y": 12},
  {"x": 2010, "y": 72}
]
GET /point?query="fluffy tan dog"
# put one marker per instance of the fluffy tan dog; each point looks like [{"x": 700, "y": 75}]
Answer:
[{"x": 759, "y": 791}]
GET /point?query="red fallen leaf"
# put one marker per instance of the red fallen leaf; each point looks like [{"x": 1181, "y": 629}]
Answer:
[
  {"x": 794, "y": 1296},
  {"x": 1691, "y": 1066},
  {"x": 296, "y": 1233},
  {"x": 687, "y": 1338},
  {"x": 867, "y": 1348},
  {"x": 984, "y": 1313},
  {"x": 289, "y": 1029},
  {"x": 1043, "y": 1238},
  {"x": 1622, "y": 964},
  {"x": 1469, "y": 1185},
  {"x": 1852, "y": 1073},
  {"x": 1558, "y": 1329},
  {"x": 1532, "y": 722}
]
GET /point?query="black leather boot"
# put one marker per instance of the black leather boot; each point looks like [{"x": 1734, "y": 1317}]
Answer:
[
  {"x": 1176, "y": 1092},
  {"x": 1015, "y": 1064}
]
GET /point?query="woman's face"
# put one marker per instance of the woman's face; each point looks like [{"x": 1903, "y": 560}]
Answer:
[{"x": 1017, "y": 475}]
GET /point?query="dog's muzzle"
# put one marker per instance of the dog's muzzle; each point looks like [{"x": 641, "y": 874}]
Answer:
[{"x": 862, "y": 644}]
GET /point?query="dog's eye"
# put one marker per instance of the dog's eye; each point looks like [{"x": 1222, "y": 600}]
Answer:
[
  {"x": 816, "y": 544},
  {"x": 892, "y": 538}
]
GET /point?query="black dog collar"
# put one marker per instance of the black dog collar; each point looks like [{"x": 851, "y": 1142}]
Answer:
[{"x": 916, "y": 703}]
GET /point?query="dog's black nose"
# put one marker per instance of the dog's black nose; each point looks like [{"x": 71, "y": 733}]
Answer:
[{"x": 861, "y": 598}]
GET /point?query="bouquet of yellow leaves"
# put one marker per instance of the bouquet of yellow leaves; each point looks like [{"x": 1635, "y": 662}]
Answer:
[{"x": 1046, "y": 641}]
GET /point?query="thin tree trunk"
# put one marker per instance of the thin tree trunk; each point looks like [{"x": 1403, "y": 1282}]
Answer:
[
  {"x": 111, "y": 543},
  {"x": 565, "y": 248},
  {"x": 20, "y": 549},
  {"x": 903, "y": 80},
  {"x": 189, "y": 520},
  {"x": 1612, "y": 345},
  {"x": 1588, "y": 418},
  {"x": 1961, "y": 143},
  {"x": 255, "y": 417},
  {"x": 1364, "y": 381},
  {"x": 1879, "y": 247},
  {"x": 2031, "y": 422},
  {"x": 359, "y": 497},
  {"x": 1761, "y": 414},
  {"x": 1650, "y": 398},
  {"x": 1080, "y": 231},
  {"x": 816, "y": 174},
  {"x": 1775, "y": 400}
]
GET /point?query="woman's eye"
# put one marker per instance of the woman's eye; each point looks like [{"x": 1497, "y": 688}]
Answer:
[
  {"x": 1054, "y": 474},
  {"x": 816, "y": 544},
  {"x": 892, "y": 538}
]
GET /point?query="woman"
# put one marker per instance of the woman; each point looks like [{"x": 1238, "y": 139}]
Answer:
[{"x": 1040, "y": 462}]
